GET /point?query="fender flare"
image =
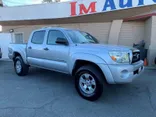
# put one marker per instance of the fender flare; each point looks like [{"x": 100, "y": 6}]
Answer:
[
  {"x": 86, "y": 57},
  {"x": 22, "y": 54}
]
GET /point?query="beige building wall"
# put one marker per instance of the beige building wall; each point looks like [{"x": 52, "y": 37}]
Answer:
[
  {"x": 147, "y": 32},
  {"x": 131, "y": 32},
  {"x": 115, "y": 32},
  {"x": 152, "y": 46}
]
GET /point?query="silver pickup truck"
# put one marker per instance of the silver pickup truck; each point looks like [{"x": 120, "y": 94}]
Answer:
[{"x": 79, "y": 54}]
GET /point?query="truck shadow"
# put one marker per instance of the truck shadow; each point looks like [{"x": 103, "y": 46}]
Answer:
[
  {"x": 43, "y": 74},
  {"x": 111, "y": 94}
]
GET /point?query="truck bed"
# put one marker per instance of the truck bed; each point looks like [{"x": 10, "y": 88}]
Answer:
[
  {"x": 19, "y": 48},
  {"x": 14, "y": 45}
]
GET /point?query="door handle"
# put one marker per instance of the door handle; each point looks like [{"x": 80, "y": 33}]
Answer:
[
  {"x": 46, "y": 49},
  {"x": 30, "y": 47}
]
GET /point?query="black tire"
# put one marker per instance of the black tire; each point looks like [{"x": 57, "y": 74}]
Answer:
[
  {"x": 98, "y": 76},
  {"x": 155, "y": 61},
  {"x": 24, "y": 68}
]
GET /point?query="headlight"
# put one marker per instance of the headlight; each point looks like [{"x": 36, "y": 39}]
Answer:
[{"x": 120, "y": 57}]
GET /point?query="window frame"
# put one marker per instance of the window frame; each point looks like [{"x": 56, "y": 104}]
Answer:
[
  {"x": 55, "y": 30},
  {"x": 43, "y": 38},
  {"x": 19, "y": 33}
]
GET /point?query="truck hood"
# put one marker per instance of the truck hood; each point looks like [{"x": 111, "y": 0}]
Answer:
[{"x": 104, "y": 47}]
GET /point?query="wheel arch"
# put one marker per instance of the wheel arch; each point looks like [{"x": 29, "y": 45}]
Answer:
[
  {"x": 84, "y": 58},
  {"x": 16, "y": 53},
  {"x": 79, "y": 63}
]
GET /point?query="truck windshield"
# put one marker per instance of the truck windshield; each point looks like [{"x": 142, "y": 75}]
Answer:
[{"x": 81, "y": 37}]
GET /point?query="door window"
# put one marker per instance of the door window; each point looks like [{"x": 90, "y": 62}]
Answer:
[
  {"x": 38, "y": 37},
  {"x": 53, "y": 35}
]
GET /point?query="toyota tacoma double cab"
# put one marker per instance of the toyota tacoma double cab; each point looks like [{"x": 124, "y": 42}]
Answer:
[{"x": 79, "y": 54}]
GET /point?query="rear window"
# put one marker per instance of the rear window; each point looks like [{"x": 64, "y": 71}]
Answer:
[{"x": 38, "y": 37}]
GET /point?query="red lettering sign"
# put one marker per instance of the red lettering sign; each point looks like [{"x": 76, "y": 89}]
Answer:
[
  {"x": 82, "y": 8},
  {"x": 73, "y": 8},
  {"x": 91, "y": 8}
]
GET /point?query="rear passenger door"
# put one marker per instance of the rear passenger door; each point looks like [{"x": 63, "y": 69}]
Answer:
[{"x": 35, "y": 52}]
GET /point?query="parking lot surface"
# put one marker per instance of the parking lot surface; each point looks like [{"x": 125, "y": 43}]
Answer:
[{"x": 45, "y": 93}]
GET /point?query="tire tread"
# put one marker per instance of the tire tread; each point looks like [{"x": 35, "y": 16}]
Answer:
[{"x": 100, "y": 81}]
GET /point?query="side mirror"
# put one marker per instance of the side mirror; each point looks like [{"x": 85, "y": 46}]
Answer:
[{"x": 62, "y": 41}]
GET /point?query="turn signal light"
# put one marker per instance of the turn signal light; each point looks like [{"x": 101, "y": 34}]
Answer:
[{"x": 113, "y": 58}]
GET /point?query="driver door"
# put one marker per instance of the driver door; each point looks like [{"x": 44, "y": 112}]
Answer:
[{"x": 56, "y": 55}]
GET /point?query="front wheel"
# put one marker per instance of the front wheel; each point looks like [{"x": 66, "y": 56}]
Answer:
[
  {"x": 20, "y": 67},
  {"x": 89, "y": 82}
]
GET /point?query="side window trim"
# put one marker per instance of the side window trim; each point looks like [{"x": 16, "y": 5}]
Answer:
[
  {"x": 33, "y": 36},
  {"x": 49, "y": 33}
]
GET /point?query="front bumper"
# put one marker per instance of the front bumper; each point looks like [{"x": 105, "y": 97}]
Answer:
[{"x": 120, "y": 74}]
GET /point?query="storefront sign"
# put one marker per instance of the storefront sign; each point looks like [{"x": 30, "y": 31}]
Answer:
[
  {"x": 82, "y": 7},
  {"x": 68, "y": 9}
]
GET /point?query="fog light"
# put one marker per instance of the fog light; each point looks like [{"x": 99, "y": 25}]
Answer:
[{"x": 124, "y": 74}]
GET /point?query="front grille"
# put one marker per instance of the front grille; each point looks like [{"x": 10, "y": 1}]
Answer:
[{"x": 136, "y": 57}]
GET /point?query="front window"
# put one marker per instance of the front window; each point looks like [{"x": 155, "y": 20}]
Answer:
[
  {"x": 81, "y": 37},
  {"x": 53, "y": 35}
]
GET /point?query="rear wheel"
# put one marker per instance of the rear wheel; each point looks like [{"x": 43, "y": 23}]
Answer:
[
  {"x": 89, "y": 82},
  {"x": 20, "y": 67}
]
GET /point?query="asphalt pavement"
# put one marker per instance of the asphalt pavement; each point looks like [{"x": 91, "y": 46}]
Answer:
[{"x": 45, "y": 93}]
